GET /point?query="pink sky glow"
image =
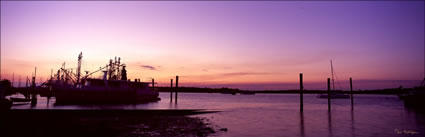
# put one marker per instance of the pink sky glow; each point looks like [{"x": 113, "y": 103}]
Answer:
[{"x": 216, "y": 44}]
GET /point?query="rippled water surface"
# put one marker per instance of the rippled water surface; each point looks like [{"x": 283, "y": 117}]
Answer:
[{"x": 279, "y": 114}]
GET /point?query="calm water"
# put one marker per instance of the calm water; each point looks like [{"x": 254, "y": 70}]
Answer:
[{"x": 279, "y": 115}]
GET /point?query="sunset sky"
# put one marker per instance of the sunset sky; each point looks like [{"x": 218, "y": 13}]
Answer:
[{"x": 248, "y": 45}]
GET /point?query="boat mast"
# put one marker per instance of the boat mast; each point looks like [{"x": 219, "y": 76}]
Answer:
[
  {"x": 423, "y": 81},
  {"x": 332, "y": 71},
  {"x": 79, "y": 68}
]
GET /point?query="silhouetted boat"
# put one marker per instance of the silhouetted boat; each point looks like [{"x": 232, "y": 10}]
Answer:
[
  {"x": 247, "y": 93},
  {"x": 106, "y": 91},
  {"x": 333, "y": 94},
  {"x": 114, "y": 88},
  {"x": 415, "y": 97},
  {"x": 5, "y": 104},
  {"x": 230, "y": 92},
  {"x": 19, "y": 99}
]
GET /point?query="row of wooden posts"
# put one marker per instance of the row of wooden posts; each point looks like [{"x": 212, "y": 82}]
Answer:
[
  {"x": 301, "y": 91},
  {"x": 171, "y": 88},
  {"x": 329, "y": 93}
]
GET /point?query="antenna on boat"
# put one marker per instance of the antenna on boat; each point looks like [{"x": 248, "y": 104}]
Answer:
[
  {"x": 332, "y": 71},
  {"x": 13, "y": 78}
]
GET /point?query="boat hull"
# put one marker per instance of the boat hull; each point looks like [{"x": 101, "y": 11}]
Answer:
[
  {"x": 81, "y": 96},
  {"x": 414, "y": 98},
  {"x": 5, "y": 104},
  {"x": 334, "y": 96},
  {"x": 19, "y": 99}
]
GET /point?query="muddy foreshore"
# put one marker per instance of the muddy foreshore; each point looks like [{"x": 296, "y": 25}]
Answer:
[{"x": 104, "y": 123}]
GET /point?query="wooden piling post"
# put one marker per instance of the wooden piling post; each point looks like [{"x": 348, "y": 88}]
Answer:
[
  {"x": 177, "y": 87},
  {"x": 34, "y": 95},
  {"x": 153, "y": 84},
  {"x": 329, "y": 94},
  {"x": 301, "y": 92},
  {"x": 351, "y": 92},
  {"x": 171, "y": 91},
  {"x": 33, "y": 78}
]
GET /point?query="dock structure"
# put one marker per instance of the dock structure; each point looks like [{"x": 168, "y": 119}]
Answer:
[{"x": 301, "y": 92}]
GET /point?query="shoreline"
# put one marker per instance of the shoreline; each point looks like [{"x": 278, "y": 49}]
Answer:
[
  {"x": 392, "y": 91},
  {"x": 107, "y": 123}
]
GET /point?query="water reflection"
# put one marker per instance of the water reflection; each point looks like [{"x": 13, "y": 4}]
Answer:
[
  {"x": 276, "y": 115},
  {"x": 173, "y": 105},
  {"x": 352, "y": 122},
  {"x": 302, "y": 132},
  {"x": 330, "y": 123},
  {"x": 419, "y": 117}
]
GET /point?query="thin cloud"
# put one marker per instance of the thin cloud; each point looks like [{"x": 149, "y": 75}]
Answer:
[
  {"x": 244, "y": 73},
  {"x": 230, "y": 74},
  {"x": 148, "y": 67}
]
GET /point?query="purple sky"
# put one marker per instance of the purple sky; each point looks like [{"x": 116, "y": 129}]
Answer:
[{"x": 219, "y": 43}]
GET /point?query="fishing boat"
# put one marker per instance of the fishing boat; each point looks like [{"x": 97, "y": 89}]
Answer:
[
  {"x": 98, "y": 91},
  {"x": 247, "y": 93},
  {"x": 5, "y": 104},
  {"x": 414, "y": 97},
  {"x": 228, "y": 91},
  {"x": 113, "y": 88},
  {"x": 16, "y": 99},
  {"x": 333, "y": 95}
]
